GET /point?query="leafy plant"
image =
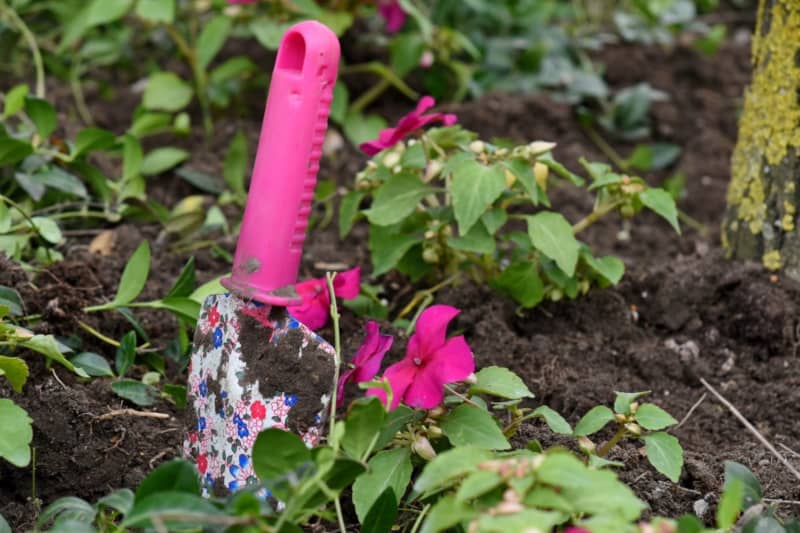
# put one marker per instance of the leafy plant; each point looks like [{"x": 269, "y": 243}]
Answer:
[{"x": 447, "y": 206}]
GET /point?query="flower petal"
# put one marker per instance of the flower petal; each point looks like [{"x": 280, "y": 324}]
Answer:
[
  {"x": 347, "y": 284},
  {"x": 343, "y": 379},
  {"x": 426, "y": 391},
  {"x": 431, "y": 330},
  {"x": 452, "y": 362},
  {"x": 400, "y": 375},
  {"x": 367, "y": 370},
  {"x": 313, "y": 312}
]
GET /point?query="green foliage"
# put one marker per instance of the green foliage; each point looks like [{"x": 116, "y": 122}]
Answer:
[
  {"x": 16, "y": 433},
  {"x": 442, "y": 207}
]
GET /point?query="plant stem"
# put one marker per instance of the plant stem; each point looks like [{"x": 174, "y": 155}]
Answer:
[
  {"x": 77, "y": 94},
  {"x": 608, "y": 446},
  {"x": 420, "y": 295},
  {"x": 108, "y": 340},
  {"x": 420, "y": 516},
  {"x": 370, "y": 95},
  {"x": 606, "y": 148},
  {"x": 337, "y": 361},
  {"x": 15, "y": 19},
  {"x": 594, "y": 216},
  {"x": 198, "y": 73},
  {"x": 463, "y": 398}
]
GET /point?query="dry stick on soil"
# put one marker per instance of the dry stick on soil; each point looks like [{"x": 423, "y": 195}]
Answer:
[
  {"x": 752, "y": 429},
  {"x": 132, "y": 412},
  {"x": 791, "y": 451},
  {"x": 692, "y": 410}
]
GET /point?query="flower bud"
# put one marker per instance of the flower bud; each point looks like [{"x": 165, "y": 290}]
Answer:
[
  {"x": 432, "y": 170},
  {"x": 426, "y": 59},
  {"x": 633, "y": 429},
  {"x": 477, "y": 147},
  {"x": 422, "y": 447},
  {"x": 620, "y": 418},
  {"x": 430, "y": 255},
  {"x": 540, "y": 171},
  {"x": 556, "y": 295},
  {"x": 472, "y": 379},
  {"x": 540, "y": 147},
  {"x": 627, "y": 211},
  {"x": 501, "y": 152},
  {"x": 391, "y": 159},
  {"x": 447, "y": 230},
  {"x": 506, "y": 507},
  {"x": 634, "y": 407},
  {"x": 437, "y": 411},
  {"x": 586, "y": 445},
  {"x": 435, "y": 432},
  {"x": 430, "y": 234}
]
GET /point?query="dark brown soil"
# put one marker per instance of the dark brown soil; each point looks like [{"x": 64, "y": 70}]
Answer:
[{"x": 682, "y": 312}]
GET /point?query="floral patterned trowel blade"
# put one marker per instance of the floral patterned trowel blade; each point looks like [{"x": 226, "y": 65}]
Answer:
[{"x": 253, "y": 366}]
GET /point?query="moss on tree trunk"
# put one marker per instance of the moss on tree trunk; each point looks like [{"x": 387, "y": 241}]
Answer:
[{"x": 761, "y": 218}]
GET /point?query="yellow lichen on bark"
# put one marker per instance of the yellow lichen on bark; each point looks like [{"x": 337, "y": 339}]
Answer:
[{"x": 769, "y": 125}]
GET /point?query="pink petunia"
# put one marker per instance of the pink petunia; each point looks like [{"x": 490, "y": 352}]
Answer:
[
  {"x": 393, "y": 14},
  {"x": 408, "y": 125},
  {"x": 314, "y": 310},
  {"x": 367, "y": 360},
  {"x": 431, "y": 362}
]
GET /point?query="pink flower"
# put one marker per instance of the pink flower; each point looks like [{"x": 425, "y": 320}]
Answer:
[
  {"x": 407, "y": 125},
  {"x": 431, "y": 362},
  {"x": 367, "y": 360},
  {"x": 393, "y": 14},
  {"x": 314, "y": 310}
]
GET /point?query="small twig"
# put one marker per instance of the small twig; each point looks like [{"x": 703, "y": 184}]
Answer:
[
  {"x": 791, "y": 451},
  {"x": 53, "y": 370},
  {"x": 460, "y": 396},
  {"x": 692, "y": 410},
  {"x": 752, "y": 429},
  {"x": 155, "y": 458},
  {"x": 132, "y": 412},
  {"x": 783, "y": 502}
]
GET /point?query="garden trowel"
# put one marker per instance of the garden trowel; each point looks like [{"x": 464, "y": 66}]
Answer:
[{"x": 253, "y": 366}]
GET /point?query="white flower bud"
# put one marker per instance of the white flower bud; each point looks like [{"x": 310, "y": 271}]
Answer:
[
  {"x": 477, "y": 147},
  {"x": 422, "y": 447}
]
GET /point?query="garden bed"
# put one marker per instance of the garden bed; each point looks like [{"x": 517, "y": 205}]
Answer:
[{"x": 681, "y": 313}]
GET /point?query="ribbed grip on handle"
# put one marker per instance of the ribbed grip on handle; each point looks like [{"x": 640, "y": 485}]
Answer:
[{"x": 270, "y": 244}]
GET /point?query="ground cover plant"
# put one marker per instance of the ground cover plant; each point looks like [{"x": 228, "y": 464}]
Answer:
[{"x": 544, "y": 241}]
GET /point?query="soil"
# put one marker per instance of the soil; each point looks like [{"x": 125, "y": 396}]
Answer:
[{"x": 681, "y": 314}]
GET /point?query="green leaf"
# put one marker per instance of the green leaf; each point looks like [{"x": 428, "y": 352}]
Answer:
[
  {"x": 665, "y": 453},
  {"x": 448, "y": 466},
  {"x": 47, "y": 229},
  {"x": 4, "y": 527},
  {"x": 165, "y": 91},
  {"x": 340, "y": 102},
  {"x": 388, "y": 246},
  {"x": 211, "y": 39},
  {"x": 362, "y": 426},
  {"x": 524, "y": 520},
  {"x": 201, "y": 180},
  {"x": 179, "y": 306},
  {"x": 730, "y": 504},
  {"x": 207, "y": 289},
  {"x": 554, "y": 420},
  {"x": 42, "y": 115},
  {"x": 477, "y": 484},
  {"x": 132, "y": 156},
  {"x": 185, "y": 283},
  {"x": 69, "y": 514},
  {"x": 177, "y": 393},
  {"x": 397, "y": 198},
  {"x": 405, "y": 50},
  {"x": 135, "y": 391},
  {"x": 445, "y": 514},
  {"x": 15, "y": 369},
  {"x": 47, "y": 346},
  {"x": 177, "y": 475},
  {"x": 235, "y": 167},
  {"x": 56, "y": 178},
  {"x": 663, "y": 204},
  {"x": 768, "y": 524},
  {"x": 689, "y": 523},
  {"x": 521, "y": 282},
  {"x": 388, "y": 469},
  {"x": 523, "y": 171},
  {"x": 752, "y": 492},
  {"x": 656, "y": 156},
  {"x": 653, "y": 418},
  {"x": 156, "y": 10},
  {"x": 623, "y": 400},
  {"x": 169, "y": 502},
  {"x": 105, "y": 11},
  {"x": 10, "y": 299},
  {"x": 126, "y": 353},
  {"x": 13, "y": 151},
  {"x": 149, "y": 123},
  {"x": 494, "y": 219},
  {"x": 501, "y": 382},
  {"x": 5, "y": 225},
  {"x": 474, "y": 188},
  {"x": 478, "y": 241},
  {"x": 552, "y": 235},
  {"x": 396, "y": 420},
  {"x": 348, "y": 211},
  {"x": 134, "y": 276},
  {"x": 268, "y": 31},
  {"x": 15, "y": 100},
  {"x": 382, "y": 514},
  {"x": 92, "y": 363},
  {"x": 593, "y": 421},
  {"x": 359, "y": 128},
  {"x": 610, "y": 267},
  {"x": 277, "y": 453},
  {"x": 121, "y": 500},
  {"x": 16, "y": 433},
  {"x": 162, "y": 159},
  {"x": 467, "y": 425}
]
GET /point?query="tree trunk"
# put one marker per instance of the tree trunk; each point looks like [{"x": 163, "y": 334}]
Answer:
[{"x": 761, "y": 218}]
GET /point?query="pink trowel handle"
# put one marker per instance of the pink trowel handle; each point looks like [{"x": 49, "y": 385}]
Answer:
[{"x": 270, "y": 245}]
